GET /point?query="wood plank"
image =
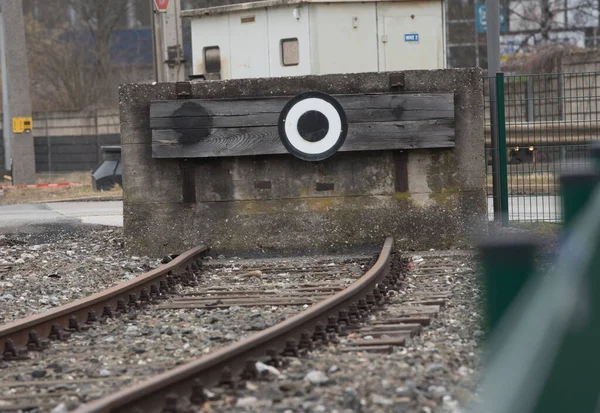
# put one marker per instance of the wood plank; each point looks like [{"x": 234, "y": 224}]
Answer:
[
  {"x": 389, "y": 333},
  {"x": 373, "y": 349},
  {"x": 407, "y": 310},
  {"x": 199, "y": 122},
  {"x": 245, "y": 299},
  {"x": 424, "y": 321},
  {"x": 197, "y": 128},
  {"x": 280, "y": 303},
  {"x": 54, "y": 382},
  {"x": 392, "y": 327},
  {"x": 437, "y": 301},
  {"x": 404, "y": 106},
  {"x": 389, "y": 114},
  {"x": 198, "y": 143},
  {"x": 395, "y": 341}
]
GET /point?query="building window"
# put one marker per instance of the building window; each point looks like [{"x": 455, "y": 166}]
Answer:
[
  {"x": 290, "y": 52},
  {"x": 212, "y": 59}
]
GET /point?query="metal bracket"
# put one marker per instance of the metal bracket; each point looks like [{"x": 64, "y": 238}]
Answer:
[
  {"x": 174, "y": 56},
  {"x": 397, "y": 81},
  {"x": 183, "y": 90}
]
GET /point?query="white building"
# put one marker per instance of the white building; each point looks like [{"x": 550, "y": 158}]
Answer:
[{"x": 300, "y": 37}]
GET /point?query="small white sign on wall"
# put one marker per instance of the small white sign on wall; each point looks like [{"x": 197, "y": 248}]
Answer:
[{"x": 411, "y": 37}]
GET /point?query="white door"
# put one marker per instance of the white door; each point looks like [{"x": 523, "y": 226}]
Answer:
[
  {"x": 249, "y": 44},
  {"x": 412, "y": 42}
]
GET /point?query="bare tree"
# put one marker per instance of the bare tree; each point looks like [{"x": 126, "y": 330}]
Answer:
[
  {"x": 70, "y": 60},
  {"x": 99, "y": 19},
  {"x": 57, "y": 71},
  {"x": 539, "y": 18}
]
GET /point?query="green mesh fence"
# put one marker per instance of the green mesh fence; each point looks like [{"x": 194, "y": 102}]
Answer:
[{"x": 550, "y": 121}]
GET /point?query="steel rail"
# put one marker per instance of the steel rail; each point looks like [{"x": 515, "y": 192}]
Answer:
[
  {"x": 30, "y": 332},
  {"x": 150, "y": 396}
]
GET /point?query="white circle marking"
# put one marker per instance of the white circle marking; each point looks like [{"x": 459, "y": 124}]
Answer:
[{"x": 319, "y": 105}]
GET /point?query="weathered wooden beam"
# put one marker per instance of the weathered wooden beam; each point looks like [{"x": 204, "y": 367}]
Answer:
[
  {"x": 190, "y": 143},
  {"x": 243, "y": 127},
  {"x": 419, "y": 105}
]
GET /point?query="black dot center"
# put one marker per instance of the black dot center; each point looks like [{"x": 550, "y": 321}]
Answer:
[{"x": 313, "y": 126}]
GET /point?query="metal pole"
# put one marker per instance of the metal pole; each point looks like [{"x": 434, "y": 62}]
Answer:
[
  {"x": 18, "y": 144},
  {"x": 6, "y": 123},
  {"x": 168, "y": 43},
  {"x": 48, "y": 143},
  {"x": 476, "y": 49},
  {"x": 156, "y": 55},
  {"x": 530, "y": 102},
  {"x": 492, "y": 10}
]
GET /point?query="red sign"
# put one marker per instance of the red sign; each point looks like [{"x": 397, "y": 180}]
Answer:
[{"x": 161, "y": 5}]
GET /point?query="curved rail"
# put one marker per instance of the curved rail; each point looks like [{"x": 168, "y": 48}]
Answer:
[
  {"x": 150, "y": 396},
  {"x": 30, "y": 333}
]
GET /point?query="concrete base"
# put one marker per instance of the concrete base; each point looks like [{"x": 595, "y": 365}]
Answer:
[{"x": 324, "y": 225}]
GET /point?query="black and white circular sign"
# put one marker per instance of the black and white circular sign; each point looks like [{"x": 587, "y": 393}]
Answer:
[{"x": 313, "y": 126}]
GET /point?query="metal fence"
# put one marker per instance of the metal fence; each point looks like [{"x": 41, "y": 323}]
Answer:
[
  {"x": 66, "y": 142},
  {"x": 549, "y": 121}
]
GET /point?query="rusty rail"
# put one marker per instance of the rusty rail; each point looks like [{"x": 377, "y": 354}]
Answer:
[
  {"x": 152, "y": 395},
  {"x": 30, "y": 333}
]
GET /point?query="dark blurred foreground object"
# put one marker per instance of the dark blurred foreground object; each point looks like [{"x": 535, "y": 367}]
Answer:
[
  {"x": 108, "y": 173},
  {"x": 542, "y": 351}
]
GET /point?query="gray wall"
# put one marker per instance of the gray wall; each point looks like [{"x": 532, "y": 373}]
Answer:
[{"x": 444, "y": 205}]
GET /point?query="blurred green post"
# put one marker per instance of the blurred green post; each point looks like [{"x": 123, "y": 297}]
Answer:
[
  {"x": 507, "y": 265},
  {"x": 595, "y": 149},
  {"x": 572, "y": 384},
  {"x": 576, "y": 188}
]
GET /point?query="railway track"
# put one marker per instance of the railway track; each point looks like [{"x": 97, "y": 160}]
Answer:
[{"x": 199, "y": 331}]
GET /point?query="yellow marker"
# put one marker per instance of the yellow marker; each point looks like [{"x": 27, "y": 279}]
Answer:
[{"x": 21, "y": 125}]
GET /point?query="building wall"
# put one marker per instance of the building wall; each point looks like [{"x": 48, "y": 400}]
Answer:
[
  {"x": 397, "y": 19},
  {"x": 352, "y": 37},
  {"x": 250, "y": 41},
  {"x": 283, "y": 25},
  {"x": 337, "y": 45},
  {"x": 443, "y": 206}
]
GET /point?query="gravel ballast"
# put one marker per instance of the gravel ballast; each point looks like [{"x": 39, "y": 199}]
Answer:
[
  {"x": 435, "y": 372},
  {"x": 48, "y": 269},
  {"x": 126, "y": 350}
]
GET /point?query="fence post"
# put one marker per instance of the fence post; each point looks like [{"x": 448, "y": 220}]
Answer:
[
  {"x": 502, "y": 148},
  {"x": 494, "y": 146},
  {"x": 98, "y": 155},
  {"x": 561, "y": 96},
  {"x": 48, "y": 143},
  {"x": 530, "y": 101}
]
